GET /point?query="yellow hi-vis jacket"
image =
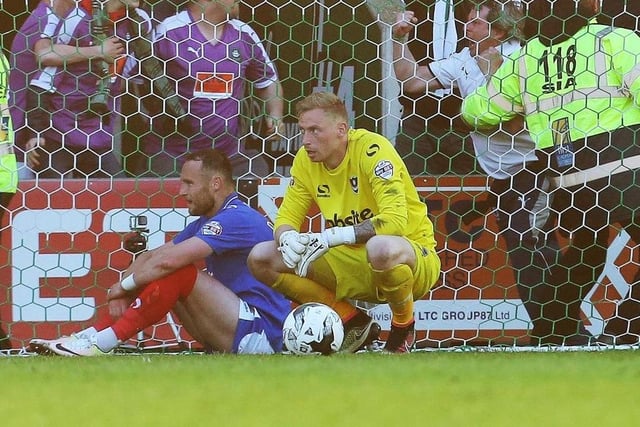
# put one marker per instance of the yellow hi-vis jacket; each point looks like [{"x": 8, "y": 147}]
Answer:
[
  {"x": 580, "y": 100},
  {"x": 587, "y": 85},
  {"x": 8, "y": 168}
]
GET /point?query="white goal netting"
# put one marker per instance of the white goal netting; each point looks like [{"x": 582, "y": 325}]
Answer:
[{"x": 63, "y": 237}]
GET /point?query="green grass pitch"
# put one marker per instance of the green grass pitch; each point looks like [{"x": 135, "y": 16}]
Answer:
[{"x": 421, "y": 389}]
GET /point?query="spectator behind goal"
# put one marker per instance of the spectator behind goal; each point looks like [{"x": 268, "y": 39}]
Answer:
[
  {"x": 212, "y": 56},
  {"x": 76, "y": 141}
]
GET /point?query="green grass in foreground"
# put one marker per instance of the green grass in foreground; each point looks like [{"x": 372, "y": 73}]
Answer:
[{"x": 426, "y": 389}]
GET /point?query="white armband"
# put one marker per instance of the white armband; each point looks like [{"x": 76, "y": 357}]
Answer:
[
  {"x": 128, "y": 283},
  {"x": 340, "y": 236}
]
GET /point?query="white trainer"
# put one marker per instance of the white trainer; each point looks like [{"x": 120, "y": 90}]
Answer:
[
  {"x": 73, "y": 346},
  {"x": 41, "y": 346}
]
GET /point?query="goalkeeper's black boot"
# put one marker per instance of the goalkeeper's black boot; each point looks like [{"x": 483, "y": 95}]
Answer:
[
  {"x": 401, "y": 338},
  {"x": 359, "y": 331}
]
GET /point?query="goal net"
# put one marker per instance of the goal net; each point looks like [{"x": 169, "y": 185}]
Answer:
[{"x": 64, "y": 240}]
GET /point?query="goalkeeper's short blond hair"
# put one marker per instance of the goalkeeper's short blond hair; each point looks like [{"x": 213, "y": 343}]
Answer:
[{"x": 327, "y": 101}]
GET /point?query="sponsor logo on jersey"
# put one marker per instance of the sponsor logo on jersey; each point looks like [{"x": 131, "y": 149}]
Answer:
[
  {"x": 195, "y": 51},
  {"x": 372, "y": 150},
  {"x": 213, "y": 228},
  {"x": 323, "y": 191},
  {"x": 354, "y": 218},
  {"x": 384, "y": 169},
  {"x": 354, "y": 184}
]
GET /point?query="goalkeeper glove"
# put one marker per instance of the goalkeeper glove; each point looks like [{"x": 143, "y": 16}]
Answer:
[
  {"x": 292, "y": 246},
  {"x": 319, "y": 244}
]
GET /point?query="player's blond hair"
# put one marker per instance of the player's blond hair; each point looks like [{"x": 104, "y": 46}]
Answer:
[{"x": 326, "y": 101}]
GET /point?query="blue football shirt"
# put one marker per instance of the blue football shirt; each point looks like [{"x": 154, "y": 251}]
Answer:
[{"x": 231, "y": 233}]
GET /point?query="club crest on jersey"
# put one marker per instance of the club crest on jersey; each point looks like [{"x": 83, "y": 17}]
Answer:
[
  {"x": 354, "y": 184},
  {"x": 384, "y": 169},
  {"x": 235, "y": 54},
  {"x": 213, "y": 228}
]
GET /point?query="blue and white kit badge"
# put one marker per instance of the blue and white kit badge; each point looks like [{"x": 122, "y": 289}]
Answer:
[
  {"x": 384, "y": 169},
  {"x": 213, "y": 228}
]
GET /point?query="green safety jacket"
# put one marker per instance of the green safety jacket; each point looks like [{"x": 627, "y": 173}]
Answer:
[
  {"x": 586, "y": 85},
  {"x": 8, "y": 168},
  {"x": 580, "y": 100}
]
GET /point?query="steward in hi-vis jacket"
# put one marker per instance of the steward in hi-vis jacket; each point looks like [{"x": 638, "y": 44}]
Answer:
[{"x": 577, "y": 86}]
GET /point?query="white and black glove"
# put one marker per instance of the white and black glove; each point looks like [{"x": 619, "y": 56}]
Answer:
[
  {"x": 292, "y": 246},
  {"x": 319, "y": 244}
]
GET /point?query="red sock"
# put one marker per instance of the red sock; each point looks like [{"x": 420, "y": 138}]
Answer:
[
  {"x": 104, "y": 320},
  {"x": 155, "y": 301}
]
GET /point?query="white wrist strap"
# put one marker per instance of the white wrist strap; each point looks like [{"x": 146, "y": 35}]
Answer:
[
  {"x": 128, "y": 283},
  {"x": 340, "y": 236}
]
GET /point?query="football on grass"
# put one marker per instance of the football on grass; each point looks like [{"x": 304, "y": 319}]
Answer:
[{"x": 313, "y": 328}]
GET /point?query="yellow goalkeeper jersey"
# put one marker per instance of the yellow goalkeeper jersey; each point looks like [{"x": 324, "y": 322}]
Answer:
[{"x": 372, "y": 182}]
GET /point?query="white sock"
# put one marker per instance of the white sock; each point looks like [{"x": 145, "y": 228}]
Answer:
[
  {"x": 106, "y": 340},
  {"x": 85, "y": 333}
]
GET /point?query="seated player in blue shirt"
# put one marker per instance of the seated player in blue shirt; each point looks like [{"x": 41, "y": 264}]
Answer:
[{"x": 225, "y": 308}]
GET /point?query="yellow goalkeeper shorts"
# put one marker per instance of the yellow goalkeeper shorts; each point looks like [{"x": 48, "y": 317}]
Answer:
[{"x": 346, "y": 270}]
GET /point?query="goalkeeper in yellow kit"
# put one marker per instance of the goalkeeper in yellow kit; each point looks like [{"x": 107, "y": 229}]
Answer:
[{"x": 378, "y": 245}]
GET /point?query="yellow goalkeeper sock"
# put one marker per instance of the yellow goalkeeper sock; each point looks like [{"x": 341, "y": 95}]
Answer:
[
  {"x": 301, "y": 290},
  {"x": 396, "y": 285}
]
